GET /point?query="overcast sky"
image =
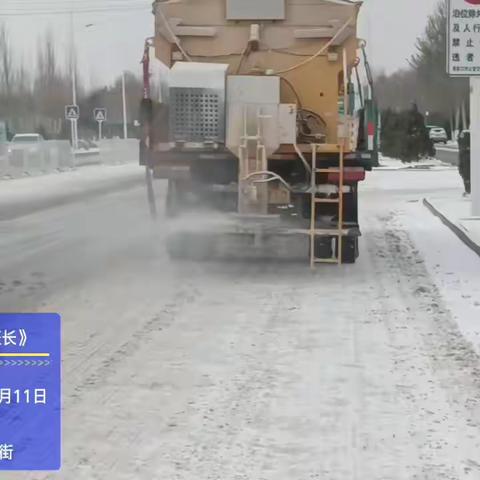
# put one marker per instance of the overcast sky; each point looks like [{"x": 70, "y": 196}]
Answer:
[{"x": 115, "y": 42}]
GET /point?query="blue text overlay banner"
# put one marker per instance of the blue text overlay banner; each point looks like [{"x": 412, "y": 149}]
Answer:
[{"x": 30, "y": 392}]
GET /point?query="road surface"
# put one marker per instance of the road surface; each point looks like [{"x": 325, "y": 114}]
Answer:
[{"x": 184, "y": 371}]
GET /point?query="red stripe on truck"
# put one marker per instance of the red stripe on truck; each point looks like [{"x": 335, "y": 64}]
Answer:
[{"x": 350, "y": 175}]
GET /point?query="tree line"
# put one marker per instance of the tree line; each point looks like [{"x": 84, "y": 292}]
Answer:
[
  {"x": 33, "y": 98},
  {"x": 425, "y": 85}
]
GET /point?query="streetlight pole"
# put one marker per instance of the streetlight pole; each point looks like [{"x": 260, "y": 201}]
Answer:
[
  {"x": 475, "y": 144},
  {"x": 124, "y": 101},
  {"x": 74, "y": 123}
]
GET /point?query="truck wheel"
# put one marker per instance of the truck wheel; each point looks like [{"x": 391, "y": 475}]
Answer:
[
  {"x": 323, "y": 247},
  {"x": 350, "y": 250}
]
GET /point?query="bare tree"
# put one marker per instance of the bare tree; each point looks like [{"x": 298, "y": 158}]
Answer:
[
  {"x": 6, "y": 61},
  {"x": 426, "y": 82},
  {"x": 439, "y": 92},
  {"x": 51, "y": 86}
]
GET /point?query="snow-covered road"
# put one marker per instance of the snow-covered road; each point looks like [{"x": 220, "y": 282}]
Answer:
[{"x": 184, "y": 371}]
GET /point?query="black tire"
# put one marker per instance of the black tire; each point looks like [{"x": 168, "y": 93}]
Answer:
[
  {"x": 323, "y": 247},
  {"x": 350, "y": 250}
]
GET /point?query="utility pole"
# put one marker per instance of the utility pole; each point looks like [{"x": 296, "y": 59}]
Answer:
[
  {"x": 74, "y": 123},
  {"x": 124, "y": 100},
  {"x": 475, "y": 144}
]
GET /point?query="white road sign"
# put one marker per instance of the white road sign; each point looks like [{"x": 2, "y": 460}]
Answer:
[
  {"x": 100, "y": 114},
  {"x": 463, "y": 48},
  {"x": 72, "y": 112}
]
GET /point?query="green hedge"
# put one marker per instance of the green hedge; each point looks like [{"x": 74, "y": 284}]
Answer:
[{"x": 405, "y": 136}]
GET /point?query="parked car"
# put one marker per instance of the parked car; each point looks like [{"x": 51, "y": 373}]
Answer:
[
  {"x": 32, "y": 142},
  {"x": 464, "y": 158},
  {"x": 438, "y": 135}
]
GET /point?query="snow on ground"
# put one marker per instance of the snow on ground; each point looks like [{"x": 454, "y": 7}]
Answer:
[
  {"x": 458, "y": 210},
  {"x": 38, "y": 187},
  {"x": 388, "y": 163},
  {"x": 21, "y": 196},
  {"x": 258, "y": 371},
  {"x": 453, "y": 266}
]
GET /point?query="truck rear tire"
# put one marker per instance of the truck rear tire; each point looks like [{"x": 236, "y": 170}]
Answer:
[
  {"x": 323, "y": 247},
  {"x": 350, "y": 250}
]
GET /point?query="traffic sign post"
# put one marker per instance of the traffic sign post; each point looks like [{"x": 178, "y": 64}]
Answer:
[
  {"x": 72, "y": 113},
  {"x": 463, "y": 59},
  {"x": 100, "y": 116},
  {"x": 30, "y": 392}
]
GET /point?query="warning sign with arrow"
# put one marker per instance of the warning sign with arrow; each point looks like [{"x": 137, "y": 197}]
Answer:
[
  {"x": 100, "y": 114},
  {"x": 72, "y": 112}
]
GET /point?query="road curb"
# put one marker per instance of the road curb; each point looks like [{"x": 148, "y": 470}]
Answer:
[
  {"x": 12, "y": 212},
  {"x": 453, "y": 227}
]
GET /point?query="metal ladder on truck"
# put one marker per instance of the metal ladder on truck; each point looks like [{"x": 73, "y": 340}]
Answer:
[{"x": 338, "y": 232}]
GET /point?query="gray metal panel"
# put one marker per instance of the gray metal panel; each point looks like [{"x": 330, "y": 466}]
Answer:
[
  {"x": 253, "y": 89},
  {"x": 256, "y": 10},
  {"x": 197, "y": 115}
]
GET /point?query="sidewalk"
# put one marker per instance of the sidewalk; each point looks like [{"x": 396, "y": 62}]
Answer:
[
  {"x": 455, "y": 213},
  {"x": 23, "y": 196}
]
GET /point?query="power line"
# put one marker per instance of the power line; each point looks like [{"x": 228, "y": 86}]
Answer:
[
  {"x": 50, "y": 8},
  {"x": 15, "y": 4},
  {"x": 76, "y": 12}
]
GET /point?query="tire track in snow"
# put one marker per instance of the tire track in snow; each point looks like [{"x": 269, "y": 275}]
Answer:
[
  {"x": 438, "y": 368},
  {"x": 137, "y": 338}
]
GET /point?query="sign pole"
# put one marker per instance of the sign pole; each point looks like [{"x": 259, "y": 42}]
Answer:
[
  {"x": 100, "y": 116},
  {"x": 124, "y": 104},
  {"x": 72, "y": 114},
  {"x": 475, "y": 144},
  {"x": 72, "y": 128}
]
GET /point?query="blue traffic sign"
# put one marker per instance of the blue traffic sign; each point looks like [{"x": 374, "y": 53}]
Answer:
[{"x": 30, "y": 392}]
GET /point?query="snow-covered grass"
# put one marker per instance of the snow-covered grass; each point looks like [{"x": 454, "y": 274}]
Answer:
[
  {"x": 388, "y": 163},
  {"x": 458, "y": 211},
  {"x": 454, "y": 268},
  {"x": 20, "y": 196}
]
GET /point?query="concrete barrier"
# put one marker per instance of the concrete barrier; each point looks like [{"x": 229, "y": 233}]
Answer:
[
  {"x": 57, "y": 155},
  {"x": 118, "y": 151},
  {"x": 17, "y": 164},
  {"x": 87, "y": 157},
  {"x": 54, "y": 155},
  {"x": 3, "y": 165},
  {"x": 448, "y": 154},
  {"x": 37, "y": 163},
  {"x": 61, "y": 154}
]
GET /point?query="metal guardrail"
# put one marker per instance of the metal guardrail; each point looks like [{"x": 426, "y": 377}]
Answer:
[
  {"x": 53, "y": 156},
  {"x": 58, "y": 155}
]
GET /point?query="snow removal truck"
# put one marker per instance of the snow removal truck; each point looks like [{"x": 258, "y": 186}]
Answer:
[{"x": 264, "y": 124}]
